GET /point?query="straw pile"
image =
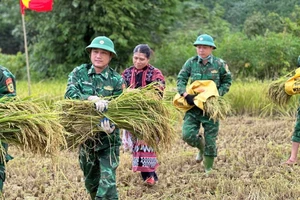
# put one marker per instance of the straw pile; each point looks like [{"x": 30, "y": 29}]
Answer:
[
  {"x": 276, "y": 92},
  {"x": 138, "y": 111},
  {"x": 30, "y": 126},
  {"x": 217, "y": 108}
]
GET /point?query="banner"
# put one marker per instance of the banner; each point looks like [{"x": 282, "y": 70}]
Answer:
[{"x": 36, "y": 5}]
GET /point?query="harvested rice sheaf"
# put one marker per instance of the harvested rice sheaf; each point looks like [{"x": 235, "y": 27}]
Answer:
[
  {"x": 276, "y": 92},
  {"x": 138, "y": 111},
  {"x": 30, "y": 125},
  {"x": 217, "y": 108}
]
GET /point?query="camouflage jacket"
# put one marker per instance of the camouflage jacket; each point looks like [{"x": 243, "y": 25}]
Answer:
[
  {"x": 7, "y": 83},
  {"x": 215, "y": 69},
  {"x": 84, "y": 82}
]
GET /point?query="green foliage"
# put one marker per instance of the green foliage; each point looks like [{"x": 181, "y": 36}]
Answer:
[
  {"x": 263, "y": 57},
  {"x": 170, "y": 57},
  {"x": 237, "y": 11},
  {"x": 261, "y": 24},
  {"x": 255, "y": 25},
  {"x": 275, "y": 23},
  {"x": 10, "y": 20},
  {"x": 57, "y": 39},
  {"x": 292, "y": 24},
  {"x": 199, "y": 19},
  {"x": 74, "y": 25},
  {"x": 178, "y": 46},
  {"x": 15, "y": 63}
]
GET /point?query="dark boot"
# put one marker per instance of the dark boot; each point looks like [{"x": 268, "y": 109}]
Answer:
[{"x": 93, "y": 195}]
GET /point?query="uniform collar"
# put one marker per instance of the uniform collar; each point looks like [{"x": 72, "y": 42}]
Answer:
[
  {"x": 210, "y": 60},
  {"x": 104, "y": 73}
]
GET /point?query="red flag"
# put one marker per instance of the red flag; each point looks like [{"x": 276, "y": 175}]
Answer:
[{"x": 36, "y": 5}]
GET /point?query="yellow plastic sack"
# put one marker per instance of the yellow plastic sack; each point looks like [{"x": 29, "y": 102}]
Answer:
[
  {"x": 203, "y": 88},
  {"x": 292, "y": 85}
]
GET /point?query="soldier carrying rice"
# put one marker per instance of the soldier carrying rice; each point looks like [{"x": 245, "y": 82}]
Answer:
[
  {"x": 7, "y": 89},
  {"x": 98, "y": 157},
  {"x": 204, "y": 66}
]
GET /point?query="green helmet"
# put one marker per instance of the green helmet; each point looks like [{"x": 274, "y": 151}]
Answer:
[
  {"x": 205, "y": 39},
  {"x": 102, "y": 42},
  {"x": 298, "y": 62}
]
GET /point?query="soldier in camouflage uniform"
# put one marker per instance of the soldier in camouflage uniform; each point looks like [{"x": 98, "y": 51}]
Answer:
[
  {"x": 7, "y": 89},
  {"x": 99, "y": 158},
  {"x": 204, "y": 66},
  {"x": 296, "y": 136}
]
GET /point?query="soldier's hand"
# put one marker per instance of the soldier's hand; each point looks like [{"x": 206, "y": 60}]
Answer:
[
  {"x": 93, "y": 98},
  {"x": 190, "y": 99},
  {"x": 107, "y": 126},
  {"x": 101, "y": 105}
]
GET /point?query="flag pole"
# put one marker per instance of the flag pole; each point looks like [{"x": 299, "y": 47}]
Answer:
[{"x": 26, "y": 54}]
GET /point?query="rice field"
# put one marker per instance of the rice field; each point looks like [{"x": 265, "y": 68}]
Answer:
[{"x": 252, "y": 145}]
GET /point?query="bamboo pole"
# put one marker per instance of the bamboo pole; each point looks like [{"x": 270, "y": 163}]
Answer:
[{"x": 26, "y": 53}]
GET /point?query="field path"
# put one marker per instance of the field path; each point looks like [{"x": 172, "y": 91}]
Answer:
[{"x": 249, "y": 166}]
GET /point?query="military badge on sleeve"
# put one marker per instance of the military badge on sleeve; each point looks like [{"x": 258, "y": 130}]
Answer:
[{"x": 10, "y": 85}]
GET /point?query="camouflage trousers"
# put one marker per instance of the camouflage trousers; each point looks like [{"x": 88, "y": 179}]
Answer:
[
  {"x": 296, "y": 134},
  {"x": 2, "y": 165},
  {"x": 99, "y": 163},
  {"x": 192, "y": 122}
]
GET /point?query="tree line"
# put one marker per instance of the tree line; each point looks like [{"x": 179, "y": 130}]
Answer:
[{"x": 257, "y": 38}]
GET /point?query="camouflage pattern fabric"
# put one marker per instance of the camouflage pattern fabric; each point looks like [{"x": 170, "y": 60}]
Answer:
[
  {"x": 7, "y": 83},
  {"x": 8, "y": 89},
  {"x": 98, "y": 158},
  {"x": 296, "y": 134},
  {"x": 193, "y": 119},
  {"x": 216, "y": 70},
  {"x": 99, "y": 164},
  {"x": 84, "y": 82}
]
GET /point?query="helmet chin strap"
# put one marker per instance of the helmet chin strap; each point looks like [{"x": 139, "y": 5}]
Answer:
[{"x": 207, "y": 58}]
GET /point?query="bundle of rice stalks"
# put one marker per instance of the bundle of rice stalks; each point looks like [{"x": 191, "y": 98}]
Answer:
[
  {"x": 30, "y": 126},
  {"x": 169, "y": 94},
  {"x": 217, "y": 108},
  {"x": 138, "y": 111},
  {"x": 276, "y": 92}
]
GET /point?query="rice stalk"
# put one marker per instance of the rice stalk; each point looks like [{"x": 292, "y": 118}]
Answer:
[
  {"x": 139, "y": 112},
  {"x": 30, "y": 125},
  {"x": 277, "y": 94},
  {"x": 217, "y": 108}
]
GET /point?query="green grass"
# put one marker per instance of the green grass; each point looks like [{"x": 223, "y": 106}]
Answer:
[
  {"x": 246, "y": 98},
  {"x": 51, "y": 89},
  {"x": 250, "y": 98}
]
